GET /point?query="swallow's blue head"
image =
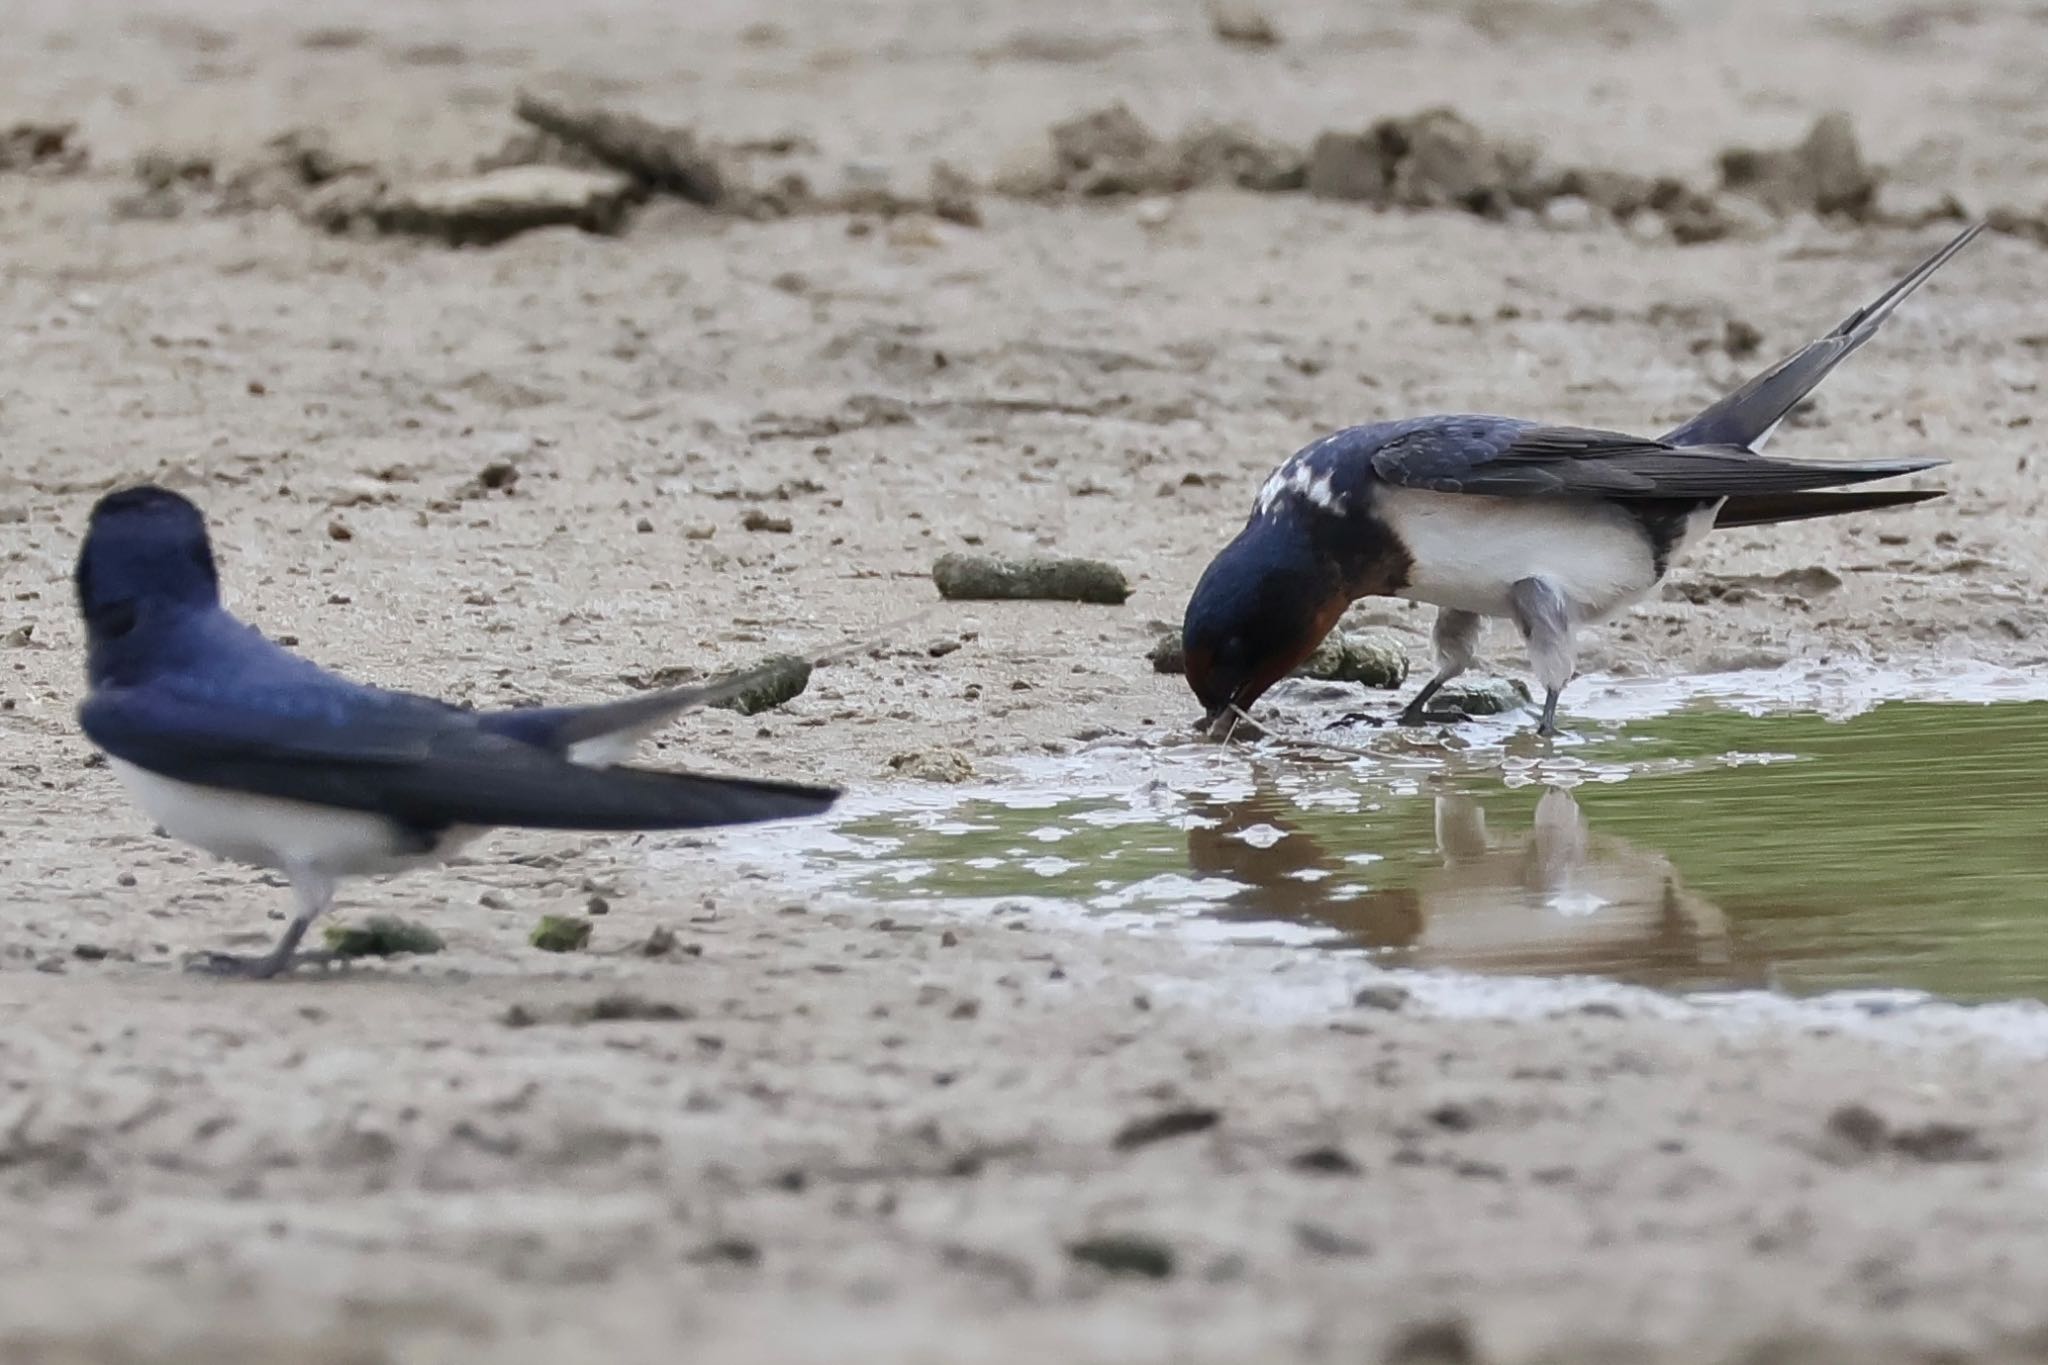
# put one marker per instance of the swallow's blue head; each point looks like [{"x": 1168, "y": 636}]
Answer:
[
  {"x": 146, "y": 560},
  {"x": 1263, "y": 606}
]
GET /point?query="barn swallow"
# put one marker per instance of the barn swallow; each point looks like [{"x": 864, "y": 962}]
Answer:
[
  {"x": 1552, "y": 527},
  {"x": 254, "y": 754}
]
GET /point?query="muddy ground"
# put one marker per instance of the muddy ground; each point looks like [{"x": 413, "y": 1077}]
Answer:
[{"x": 526, "y": 471}]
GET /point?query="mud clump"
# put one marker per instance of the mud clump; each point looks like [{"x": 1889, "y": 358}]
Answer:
[
  {"x": 662, "y": 159},
  {"x": 1168, "y": 654},
  {"x": 1226, "y": 154},
  {"x": 483, "y": 210},
  {"x": 1824, "y": 173},
  {"x": 764, "y": 687},
  {"x": 933, "y": 765},
  {"x": 382, "y": 936},
  {"x": 561, "y": 934},
  {"x": 1110, "y": 152},
  {"x": 988, "y": 578},
  {"x": 1373, "y": 658},
  {"x": 290, "y": 172},
  {"x": 1483, "y": 696},
  {"x": 1434, "y": 159}
]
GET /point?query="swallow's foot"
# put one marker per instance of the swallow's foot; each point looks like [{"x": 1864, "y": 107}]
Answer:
[
  {"x": 252, "y": 967},
  {"x": 1441, "y": 715}
]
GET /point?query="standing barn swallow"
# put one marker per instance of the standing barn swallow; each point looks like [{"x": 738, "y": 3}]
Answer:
[
  {"x": 1552, "y": 527},
  {"x": 254, "y": 754}
]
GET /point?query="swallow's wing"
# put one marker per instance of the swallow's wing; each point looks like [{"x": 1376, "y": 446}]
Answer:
[
  {"x": 1748, "y": 416},
  {"x": 625, "y": 721},
  {"x": 1500, "y": 458},
  {"x": 408, "y": 758}
]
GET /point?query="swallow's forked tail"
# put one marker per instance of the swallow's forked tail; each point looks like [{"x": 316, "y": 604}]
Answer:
[
  {"x": 1767, "y": 509},
  {"x": 1748, "y": 416}
]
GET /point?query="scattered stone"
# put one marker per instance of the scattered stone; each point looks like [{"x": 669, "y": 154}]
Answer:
[
  {"x": 1439, "y": 1341},
  {"x": 1374, "y": 658},
  {"x": 758, "y": 520},
  {"x": 46, "y": 148},
  {"x": 1243, "y": 23},
  {"x": 561, "y": 934},
  {"x": 1320, "y": 1240},
  {"x": 1385, "y": 997},
  {"x": 1168, "y": 654},
  {"x": 979, "y": 578},
  {"x": 1857, "y": 1130},
  {"x": 660, "y": 943},
  {"x": 734, "y": 1251},
  {"x": 1824, "y": 173},
  {"x": 1569, "y": 213},
  {"x": 1153, "y": 214},
  {"x": 624, "y": 1007},
  {"x": 1125, "y": 1254},
  {"x": 382, "y": 936},
  {"x": 1160, "y": 1127},
  {"x": 1483, "y": 696},
  {"x": 21, "y": 637},
  {"x": 666, "y": 160},
  {"x": 953, "y": 196},
  {"x": 482, "y": 210},
  {"x": 1324, "y": 1161},
  {"x": 764, "y": 687},
  {"x": 933, "y": 765},
  {"x": 913, "y": 230}
]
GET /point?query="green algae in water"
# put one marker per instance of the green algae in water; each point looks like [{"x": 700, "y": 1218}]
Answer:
[{"x": 1907, "y": 847}]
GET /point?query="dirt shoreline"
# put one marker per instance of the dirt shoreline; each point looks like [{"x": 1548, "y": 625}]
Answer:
[{"x": 876, "y": 1137}]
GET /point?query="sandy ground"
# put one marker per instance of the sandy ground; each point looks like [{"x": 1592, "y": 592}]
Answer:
[{"x": 876, "y": 1139}]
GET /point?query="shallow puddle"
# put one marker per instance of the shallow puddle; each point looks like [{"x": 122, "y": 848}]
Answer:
[{"x": 1842, "y": 842}]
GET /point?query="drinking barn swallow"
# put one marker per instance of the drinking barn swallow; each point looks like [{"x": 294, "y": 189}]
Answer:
[
  {"x": 254, "y": 754},
  {"x": 1552, "y": 527}
]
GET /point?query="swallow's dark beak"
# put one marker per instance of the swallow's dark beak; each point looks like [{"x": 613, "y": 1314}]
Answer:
[{"x": 1215, "y": 721}]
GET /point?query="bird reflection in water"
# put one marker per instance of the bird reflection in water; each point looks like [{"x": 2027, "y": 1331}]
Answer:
[{"x": 1557, "y": 899}]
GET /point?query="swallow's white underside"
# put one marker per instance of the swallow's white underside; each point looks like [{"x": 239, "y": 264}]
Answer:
[
  {"x": 1470, "y": 550},
  {"x": 291, "y": 836}
]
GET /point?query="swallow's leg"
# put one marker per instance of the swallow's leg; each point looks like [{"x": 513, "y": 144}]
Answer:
[
  {"x": 314, "y": 892},
  {"x": 1456, "y": 637},
  {"x": 1546, "y": 622}
]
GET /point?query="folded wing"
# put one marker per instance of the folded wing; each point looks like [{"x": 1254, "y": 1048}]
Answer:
[
  {"x": 413, "y": 761},
  {"x": 1500, "y": 458}
]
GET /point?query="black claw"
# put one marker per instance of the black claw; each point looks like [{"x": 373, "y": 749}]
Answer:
[
  {"x": 1363, "y": 718},
  {"x": 245, "y": 967},
  {"x": 1447, "y": 715},
  {"x": 236, "y": 966}
]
